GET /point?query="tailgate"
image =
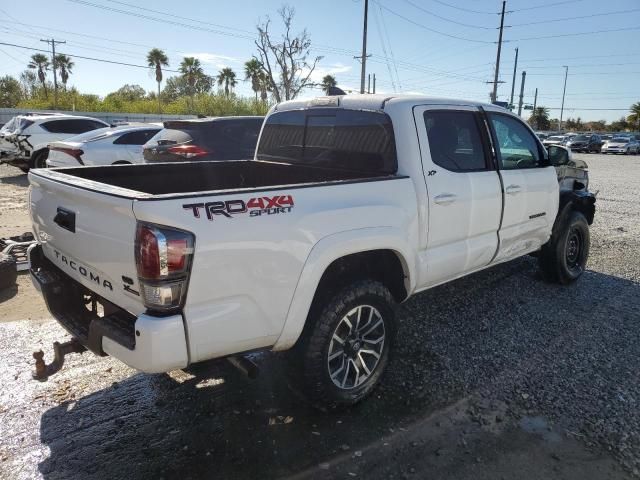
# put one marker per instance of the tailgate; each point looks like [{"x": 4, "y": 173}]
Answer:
[{"x": 89, "y": 235}]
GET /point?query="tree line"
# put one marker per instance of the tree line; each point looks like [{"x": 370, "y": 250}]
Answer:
[
  {"x": 281, "y": 69},
  {"x": 540, "y": 120}
]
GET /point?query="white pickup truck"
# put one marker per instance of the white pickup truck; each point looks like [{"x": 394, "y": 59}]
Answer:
[{"x": 351, "y": 205}]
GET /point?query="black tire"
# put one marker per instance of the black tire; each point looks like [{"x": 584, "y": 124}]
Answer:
[
  {"x": 39, "y": 159},
  {"x": 8, "y": 272},
  {"x": 563, "y": 258},
  {"x": 311, "y": 355}
]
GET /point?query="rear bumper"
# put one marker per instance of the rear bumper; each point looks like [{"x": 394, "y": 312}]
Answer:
[{"x": 147, "y": 343}]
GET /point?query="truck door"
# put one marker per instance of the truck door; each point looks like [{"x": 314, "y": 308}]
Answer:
[
  {"x": 463, "y": 190},
  {"x": 530, "y": 187}
]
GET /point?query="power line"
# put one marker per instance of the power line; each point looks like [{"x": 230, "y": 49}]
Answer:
[
  {"x": 603, "y": 14},
  {"x": 384, "y": 50},
  {"x": 87, "y": 58},
  {"x": 425, "y": 27},
  {"x": 545, "y": 5},
  {"x": 580, "y": 74},
  {"x": 465, "y": 9},
  {"x": 575, "y": 34},
  {"x": 447, "y": 19},
  {"x": 393, "y": 58}
]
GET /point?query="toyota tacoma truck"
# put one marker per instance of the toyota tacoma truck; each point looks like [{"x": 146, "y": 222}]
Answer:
[{"x": 350, "y": 205}]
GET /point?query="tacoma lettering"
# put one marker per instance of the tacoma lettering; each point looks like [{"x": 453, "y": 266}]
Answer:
[{"x": 73, "y": 265}]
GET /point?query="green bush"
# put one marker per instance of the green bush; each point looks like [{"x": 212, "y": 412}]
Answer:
[{"x": 208, "y": 104}]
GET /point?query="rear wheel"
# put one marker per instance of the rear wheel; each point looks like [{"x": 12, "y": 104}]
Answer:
[
  {"x": 39, "y": 159},
  {"x": 345, "y": 350},
  {"x": 563, "y": 258}
]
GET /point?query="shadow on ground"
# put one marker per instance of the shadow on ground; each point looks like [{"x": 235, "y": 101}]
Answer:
[
  {"x": 19, "y": 179},
  {"x": 496, "y": 334}
]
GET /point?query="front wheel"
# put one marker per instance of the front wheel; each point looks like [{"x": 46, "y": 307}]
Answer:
[
  {"x": 345, "y": 350},
  {"x": 563, "y": 259}
]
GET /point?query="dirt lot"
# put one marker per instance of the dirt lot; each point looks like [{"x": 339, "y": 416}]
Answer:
[{"x": 498, "y": 375}]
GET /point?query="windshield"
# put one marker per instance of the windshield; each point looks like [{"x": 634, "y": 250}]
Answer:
[
  {"x": 620, "y": 140},
  {"x": 555, "y": 139},
  {"x": 580, "y": 138}
]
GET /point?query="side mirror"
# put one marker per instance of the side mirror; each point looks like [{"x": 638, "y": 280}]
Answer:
[{"x": 558, "y": 155}]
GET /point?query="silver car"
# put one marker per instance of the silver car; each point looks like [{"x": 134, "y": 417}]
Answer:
[{"x": 624, "y": 145}]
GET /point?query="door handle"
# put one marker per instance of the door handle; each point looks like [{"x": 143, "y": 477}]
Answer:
[
  {"x": 513, "y": 189},
  {"x": 445, "y": 198}
]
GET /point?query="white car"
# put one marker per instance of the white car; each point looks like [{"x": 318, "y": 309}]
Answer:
[
  {"x": 350, "y": 205},
  {"x": 32, "y": 134},
  {"x": 623, "y": 145},
  {"x": 105, "y": 146}
]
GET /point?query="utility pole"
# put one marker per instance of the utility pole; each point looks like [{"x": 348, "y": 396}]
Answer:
[
  {"x": 494, "y": 94},
  {"x": 564, "y": 90},
  {"x": 374, "y": 83},
  {"x": 369, "y": 83},
  {"x": 524, "y": 75},
  {"x": 535, "y": 101},
  {"x": 53, "y": 42},
  {"x": 513, "y": 83},
  {"x": 363, "y": 58}
]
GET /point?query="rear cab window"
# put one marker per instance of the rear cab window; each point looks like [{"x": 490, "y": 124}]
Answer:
[{"x": 336, "y": 138}]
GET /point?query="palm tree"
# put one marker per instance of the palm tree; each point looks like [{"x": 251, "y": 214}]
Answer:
[
  {"x": 253, "y": 71},
  {"x": 192, "y": 70},
  {"x": 634, "y": 118},
  {"x": 157, "y": 59},
  {"x": 227, "y": 77},
  {"x": 265, "y": 86},
  {"x": 328, "y": 82},
  {"x": 65, "y": 65},
  {"x": 41, "y": 63},
  {"x": 539, "y": 119}
]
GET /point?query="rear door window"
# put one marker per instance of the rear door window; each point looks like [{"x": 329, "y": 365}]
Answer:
[
  {"x": 71, "y": 126},
  {"x": 170, "y": 136},
  {"x": 139, "y": 137},
  {"x": 331, "y": 137},
  {"x": 455, "y": 140}
]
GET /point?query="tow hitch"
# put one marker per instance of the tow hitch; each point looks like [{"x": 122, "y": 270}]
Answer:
[{"x": 43, "y": 371}]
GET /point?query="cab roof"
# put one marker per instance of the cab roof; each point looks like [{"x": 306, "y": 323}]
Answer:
[{"x": 372, "y": 101}]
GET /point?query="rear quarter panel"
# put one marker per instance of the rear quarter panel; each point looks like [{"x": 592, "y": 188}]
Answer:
[{"x": 247, "y": 267}]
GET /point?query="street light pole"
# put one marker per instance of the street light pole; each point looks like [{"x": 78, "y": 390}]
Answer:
[
  {"x": 363, "y": 72},
  {"x": 564, "y": 90},
  {"x": 494, "y": 93}
]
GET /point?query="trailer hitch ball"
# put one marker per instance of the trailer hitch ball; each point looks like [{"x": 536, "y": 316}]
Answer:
[{"x": 44, "y": 371}]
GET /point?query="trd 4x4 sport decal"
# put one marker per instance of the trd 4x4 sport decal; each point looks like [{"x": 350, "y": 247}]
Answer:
[{"x": 256, "y": 207}]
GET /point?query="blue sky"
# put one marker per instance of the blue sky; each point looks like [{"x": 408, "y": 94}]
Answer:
[{"x": 438, "y": 47}]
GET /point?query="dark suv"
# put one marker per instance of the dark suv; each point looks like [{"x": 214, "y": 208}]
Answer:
[
  {"x": 585, "y": 143},
  {"x": 218, "y": 138}
]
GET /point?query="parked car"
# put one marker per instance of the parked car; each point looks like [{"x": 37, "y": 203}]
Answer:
[
  {"x": 32, "y": 134},
  {"x": 219, "y": 138},
  {"x": 623, "y": 145},
  {"x": 105, "y": 146},
  {"x": 585, "y": 143},
  {"x": 350, "y": 205},
  {"x": 554, "y": 140}
]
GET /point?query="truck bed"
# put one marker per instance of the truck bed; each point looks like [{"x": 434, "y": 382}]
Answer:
[{"x": 193, "y": 177}]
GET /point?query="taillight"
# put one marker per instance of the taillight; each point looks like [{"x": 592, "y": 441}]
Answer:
[
  {"x": 74, "y": 152},
  {"x": 163, "y": 260},
  {"x": 188, "y": 151}
]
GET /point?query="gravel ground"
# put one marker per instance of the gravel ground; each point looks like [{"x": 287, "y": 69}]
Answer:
[{"x": 497, "y": 375}]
